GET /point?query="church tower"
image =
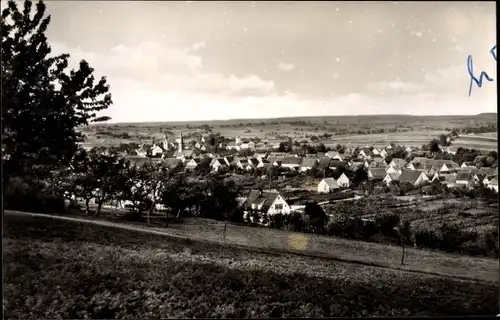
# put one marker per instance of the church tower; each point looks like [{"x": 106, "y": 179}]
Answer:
[
  {"x": 181, "y": 143},
  {"x": 166, "y": 145}
]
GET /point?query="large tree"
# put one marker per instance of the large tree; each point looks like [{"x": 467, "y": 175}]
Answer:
[{"x": 43, "y": 102}]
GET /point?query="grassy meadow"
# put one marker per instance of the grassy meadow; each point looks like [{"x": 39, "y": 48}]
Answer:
[{"x": 55, "y": 269}]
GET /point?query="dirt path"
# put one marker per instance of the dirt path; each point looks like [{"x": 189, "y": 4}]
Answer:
[{"x": 479, "y": 271}]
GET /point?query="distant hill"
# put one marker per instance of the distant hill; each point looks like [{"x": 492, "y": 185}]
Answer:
[{"x": 322, "y": 119}]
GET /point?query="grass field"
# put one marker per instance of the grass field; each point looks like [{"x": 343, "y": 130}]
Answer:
[
  {"x": 56, "y": 269},
  {"x": 482, "y": 269}
]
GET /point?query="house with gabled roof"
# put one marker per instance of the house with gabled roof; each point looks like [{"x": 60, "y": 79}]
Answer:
[
  {"x": 324, "y": 163},
  {"x": 142, "y": 151},
  {"x": 493, "y": 185},
  {"x": 392, "y": 170},
  {"x": 467, "y": 165},
  {"x": 365, "y": 154},
  {"x": 172, "y": 163},
  {"x": 451, "y": 167},
  {"x": 184, "y": 154},
  {"x": 343, "y": 181},
  {"x": 156, "y": 150},
  {"x": 192, "y": 164},
  {"x": 464, "y": 179},
  {"x": 137, "y": 161},
  {"x": 218, "y": 163},
  {"x": 229, "y": 159},
  {"x": 335, "y": 164},
  {"x": 376, "y": 174},
  {"x": 415, "y": 178},
  {"x": 253, "y": 162},
  {"x": 488, "y": 178},
  {"x": 293, "y": 163},
  {"x": 260, "y": 155},
  {"x": 328, "y": 185},
  {"x": 377, "y": 162},
  {"x": 268, "y": 201},
  {"x": 447, "y": 179},
  {"x": 332, "y": 154},
  {"x": 391, "y": 177},
  {"x": 383, "y": 153},
  {"x": 308, "y": 164},
  {"x": 397, "y": 163}
]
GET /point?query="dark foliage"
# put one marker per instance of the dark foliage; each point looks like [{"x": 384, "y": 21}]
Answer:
[{"x": 42, "y": 103}]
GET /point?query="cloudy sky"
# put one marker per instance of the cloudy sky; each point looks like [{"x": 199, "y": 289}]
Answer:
[{"x": 169, "y": 61}]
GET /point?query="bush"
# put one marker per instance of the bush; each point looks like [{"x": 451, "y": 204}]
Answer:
[
  {"x": 277, "y": 221},
  {"x": 29, "y": 196}
]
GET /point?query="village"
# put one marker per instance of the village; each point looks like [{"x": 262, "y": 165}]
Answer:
[{"x": 333, "y": 170}]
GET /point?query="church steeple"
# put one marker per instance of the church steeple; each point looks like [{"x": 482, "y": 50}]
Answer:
[{"x": 181, "y": 143}]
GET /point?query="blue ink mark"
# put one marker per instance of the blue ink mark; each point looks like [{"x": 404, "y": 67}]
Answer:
[
  {"x": 470, "y": 69},
  {"x": 493, "y": 52}
]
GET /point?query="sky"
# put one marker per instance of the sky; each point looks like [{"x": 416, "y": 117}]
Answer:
[{"x": 188, "y": 60}]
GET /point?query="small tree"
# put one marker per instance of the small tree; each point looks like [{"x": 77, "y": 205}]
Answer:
[{"x": 405, "y": 234}]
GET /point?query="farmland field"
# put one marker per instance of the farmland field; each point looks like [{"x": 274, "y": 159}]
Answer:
[
  {"x": 102, "y": 272},
  {"x": 407, "y": 130}
]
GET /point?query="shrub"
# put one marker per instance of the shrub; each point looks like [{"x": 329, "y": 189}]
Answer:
[
  {"x": 277, "y": 221},
  {"x": 29, "y": 196}
]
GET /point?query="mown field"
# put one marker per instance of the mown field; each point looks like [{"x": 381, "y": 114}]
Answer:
[
  {"x": 367, "y": 253},
  {"x": 55, "y": 269}
]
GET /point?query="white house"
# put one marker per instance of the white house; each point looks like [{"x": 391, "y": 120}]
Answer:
[
  {"x": 487, "y": 180},
  {"x": 391, "y": 177},
  {"x": 493, "y": 185},
  {"x": 393, "y": 170},
  {"x": 191, "y": 164},
  {"x": 217, "y": 164},
  {"x": 464, "y": 179},
  {"x": 397, "y": 163},
  {"x": 383, "y": 153},
  {"x": 365, "y": 154},
  {"x": 327, "y": 185},
  {"x": 332, "y": 154},
  {"x": 156, "y": 150},
  {"x": 307, "y": 164},
  {"x": 268, "y": 201},
  {"x": 343, "y": 181},
  {"x": 142, "y": 151},
  {"x": 449, "y": 168}
]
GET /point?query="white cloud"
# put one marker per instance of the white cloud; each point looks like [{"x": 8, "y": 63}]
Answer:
[
  {"x": 396, "y": 86},
  {"x": 154, "y": 82},
  {"x": 197, "y": 46},
  {"x": 285, "y": 66}
]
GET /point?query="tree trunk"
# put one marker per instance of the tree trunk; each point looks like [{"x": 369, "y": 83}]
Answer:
[
  {"x": 150, "y": 211},
  {"x": 224, "y": 233},
  {"x": 403, "y": 255},
  {"x": 99, "y": 207},
  {"x": 87, "y": 206}
]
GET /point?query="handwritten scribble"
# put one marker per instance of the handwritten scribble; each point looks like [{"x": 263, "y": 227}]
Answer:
[
  {"x": 493, "y": 52},
  {"x": 483, "y": 75}
]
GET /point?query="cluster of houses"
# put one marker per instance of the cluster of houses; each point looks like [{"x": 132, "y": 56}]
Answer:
[{"x": 417, "y": 172}]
